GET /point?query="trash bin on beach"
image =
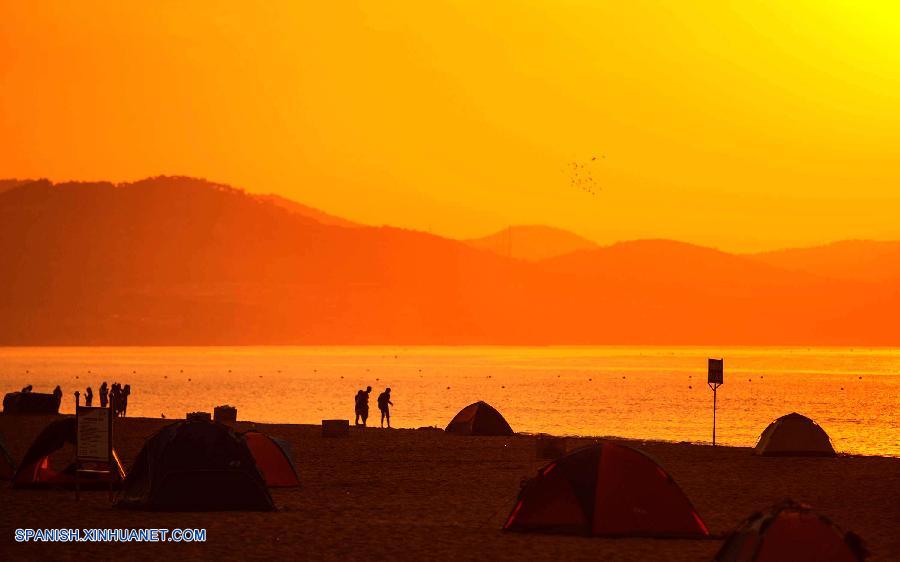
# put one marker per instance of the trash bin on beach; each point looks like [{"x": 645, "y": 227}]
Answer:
[
  {"x": 199, "y": 416},
  {"x": 335, "y": 428},
  {"x": 225, "y": 414},
  {"x": 549, "y": 448}
]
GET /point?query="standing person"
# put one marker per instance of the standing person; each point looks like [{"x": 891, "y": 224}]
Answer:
[
  {"x": 104, "y": 394},
  {"x": 357, "y": 405},
  {"x": 364, "y": 405},
  {"x": 77, "y": 400},
  {"x": 88, "y": 397},
  {"x": 125, "y": 392},
  {"x": 384, "y": 404}
]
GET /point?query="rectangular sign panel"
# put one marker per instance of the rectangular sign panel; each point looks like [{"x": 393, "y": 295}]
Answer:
[
  {"x": 94, "y": 437},
  {"x": 716, "y": 371}
]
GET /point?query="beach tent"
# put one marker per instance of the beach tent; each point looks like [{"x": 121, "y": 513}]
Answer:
[
  {"x": 273, "y": 460},
  {"x": 7, "y": 466},
  {"x": 794, "y": 435},
  {"x": 790, "y": 531},
  {"x": 195, "y": 465},
  {"x": 35, "y": 470},
  {"x": 605, "y": 489},
  {"x": 479, "y": 418}
]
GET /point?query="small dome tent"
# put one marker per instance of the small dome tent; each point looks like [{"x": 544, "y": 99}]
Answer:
[
  {"x": 607, "y": 489},
  {"x": 790, "y": 531},
  {"x": 479, "y": 418},
  {"x": 35, "y": 470},
  {"x": 195, "y": 466},
  {"x": 273, "y": 460},
  {"x": 794, "y": 435}
]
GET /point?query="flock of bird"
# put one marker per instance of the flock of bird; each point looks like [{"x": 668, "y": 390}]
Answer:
[{"x": 582, "y": 175}]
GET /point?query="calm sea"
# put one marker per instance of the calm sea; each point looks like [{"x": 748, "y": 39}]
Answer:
[{"x": 638, "y": 392}]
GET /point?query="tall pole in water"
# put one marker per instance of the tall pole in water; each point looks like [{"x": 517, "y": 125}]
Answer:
[{"x": 715, "y": 379}]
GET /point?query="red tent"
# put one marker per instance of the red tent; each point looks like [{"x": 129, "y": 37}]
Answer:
[
  {"x": 790, "y": 531},
  {"x": 273, "y": 460},
  {"x": 479, "y": 418},
  {"x": 35, "y": 470},
  {"x": 606, "y": 489}
]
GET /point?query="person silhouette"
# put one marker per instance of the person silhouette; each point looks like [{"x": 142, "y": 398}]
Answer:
[
  {"x": 364, "y": 404},
  {"x": 384, "y": 404},
  {"x": 104, "y": 394},
  {"x": 125, "y": 392},
  {"x": 77, "y": 400},
  {"x": 88, "y": 396},
  {"x": 357, "y": 405},
  {"x": 57, "y": 395}
]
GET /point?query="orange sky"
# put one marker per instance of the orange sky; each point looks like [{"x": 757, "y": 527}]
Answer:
[{"x": 748, "y": 126}]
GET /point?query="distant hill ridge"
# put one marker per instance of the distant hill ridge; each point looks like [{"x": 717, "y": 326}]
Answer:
[
  {"x": 182, "y": 261},
  {"x": 532, "y": 242}
]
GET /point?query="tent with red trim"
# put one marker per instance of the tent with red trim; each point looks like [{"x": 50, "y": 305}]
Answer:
[
  {"x": 794, "y": 435},
  {"x": 791, "y": 531},
  {"x": 273, "y": 460},
  {"x": 607, "y": 489},
  {"x": 479, "y": 418},
  {"x": 37, "y": 471}
]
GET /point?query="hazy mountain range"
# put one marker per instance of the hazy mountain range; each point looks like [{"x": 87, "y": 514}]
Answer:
[{"x": 175, "y": 260}]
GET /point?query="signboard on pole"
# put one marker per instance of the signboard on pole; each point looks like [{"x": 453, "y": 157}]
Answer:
[
  {"x": 715, "y": 379},
  {"x": 716, "y": 371},
  {"x": 94, "y": 435}
]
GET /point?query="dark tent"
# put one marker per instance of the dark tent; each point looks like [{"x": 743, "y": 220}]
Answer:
[
  {"x": 273, "y": 460},
  {"x": 606, "y": 489},
  {"x": 30, "y": 403},
  {"x": 790, "y": 531},
  {"x": 7, "y": 466},
  {"x": 195, "y": 465},
  {"x": 794, "y": 435},
  {"x": 35, "y": 470},
  {"x": 479, "y": 418}
]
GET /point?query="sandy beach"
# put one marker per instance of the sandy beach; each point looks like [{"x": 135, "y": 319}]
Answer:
[{"x": 419, "y": 495}]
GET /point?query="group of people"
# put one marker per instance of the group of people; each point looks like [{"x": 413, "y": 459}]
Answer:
[
  {"x": 362, "y": 406},
  {"x": 116, "y": 396}
]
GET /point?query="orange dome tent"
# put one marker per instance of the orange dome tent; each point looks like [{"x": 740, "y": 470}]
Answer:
[
  {"x": 794, "y": 435},
  {"x": 273, "y": 460},
  {"x": 479, "y": 418},
  {"x": 790, "y": 531},
  {"x": 606, "y": 489}
]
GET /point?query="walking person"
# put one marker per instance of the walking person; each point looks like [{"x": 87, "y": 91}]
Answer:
[
  {"x": 384, "y": 404},
  {"x": 104, "y": 394}
]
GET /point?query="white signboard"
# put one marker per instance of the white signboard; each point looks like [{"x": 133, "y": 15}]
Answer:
[{"x": 94, "y": 434}]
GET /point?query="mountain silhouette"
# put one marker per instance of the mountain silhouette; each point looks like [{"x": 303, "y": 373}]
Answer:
[
  {"x": 181, "y": 261},
  {"x": 306, "y": 211},
  {"x": 860, "y": 260},
  {"x": 532, "y": 242}
]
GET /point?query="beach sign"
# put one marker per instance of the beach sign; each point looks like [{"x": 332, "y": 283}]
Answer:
[
  {"x": 93, "y": 441},
  {"x": 715, "y": 378},
  {"x": 716, "y": 371},
  {"x": 93, "y": 444}
]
